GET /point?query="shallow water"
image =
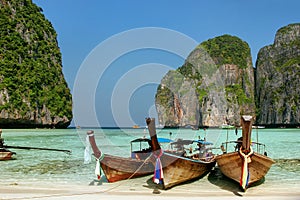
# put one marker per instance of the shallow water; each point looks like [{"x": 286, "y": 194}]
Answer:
[{"x": 57, "y": 167}]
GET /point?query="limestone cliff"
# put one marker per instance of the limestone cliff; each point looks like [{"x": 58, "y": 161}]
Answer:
[
  {"x": 214, "y": 86},
  {"x": 33, "y": 91},
  {"x": 278, "y": 79}
]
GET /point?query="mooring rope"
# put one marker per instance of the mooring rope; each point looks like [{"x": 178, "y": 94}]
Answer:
[{"x": 83, "y": 193}]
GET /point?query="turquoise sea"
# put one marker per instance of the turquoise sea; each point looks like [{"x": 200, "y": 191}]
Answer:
[{"x": 57, "y": 167}]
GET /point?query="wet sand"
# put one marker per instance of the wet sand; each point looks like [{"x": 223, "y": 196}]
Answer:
[{"x": 143, "y": 188}]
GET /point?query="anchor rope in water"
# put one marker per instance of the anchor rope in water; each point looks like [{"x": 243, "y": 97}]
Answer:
[
  {"x": 123, "y": 182},
  {"x": 83, "y": 193},
  {"x": 87, "y": 193},
  {"x": 245, "y": 170}
]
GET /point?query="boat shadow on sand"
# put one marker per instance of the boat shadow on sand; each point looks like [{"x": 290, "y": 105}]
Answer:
[
  {"x": 157, "y": 187},
  {"x": 151, "y": 185},
  {"x": 217, "y": 178}
]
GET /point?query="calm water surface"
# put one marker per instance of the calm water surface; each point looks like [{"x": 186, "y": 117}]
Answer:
[{"x": 47, "y": 166}]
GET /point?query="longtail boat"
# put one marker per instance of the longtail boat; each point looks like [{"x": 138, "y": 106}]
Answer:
[
  {"x": 117, "y": 168},
  {"x": 171, "y": 169},
  {"x": 245, "y": 165},
  {"x": 6, "y": 154}
]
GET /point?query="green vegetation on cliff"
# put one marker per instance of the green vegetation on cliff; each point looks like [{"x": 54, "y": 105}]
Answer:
[
  {"x": 189, "y": 71},
  {"x": 277, "y": 79},
  {"x": 172, "y": 83},
  {"x": 30, "y": 63},
  {"x": 164, "y": 96},
  {"x": 218, "y": 71},
  {"x": 287, "y": 29},
  {"x": 238, "y": 93},
  {"x": 227, "y": 49}
]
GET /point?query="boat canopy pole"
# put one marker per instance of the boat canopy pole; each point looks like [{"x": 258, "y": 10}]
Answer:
[
  {"x": 226, "y": 139},
  {"x": 257, "y": 139}
]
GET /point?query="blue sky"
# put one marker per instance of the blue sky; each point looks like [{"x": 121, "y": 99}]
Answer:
[{"x": 83, "y": 25}]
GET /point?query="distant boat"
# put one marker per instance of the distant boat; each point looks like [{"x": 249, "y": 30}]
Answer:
[
  {"x": 160, "y": 126},
  {"x": 6, "y": 154},
  {"x": 255, "y": 127},
  {"x": 171, "y": 169},
  {"x": 227, "y": 126},
  {"x": 117, "y": 168},
  {"x": 244, "y": 165},
  {"x": 135, "y": 126}
]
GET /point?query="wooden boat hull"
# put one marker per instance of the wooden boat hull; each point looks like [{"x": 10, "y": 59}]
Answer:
[
  {"x": 6, "y": 155},
  {"x": 230, "y": 165},
  {"x": 118, "y": 168},
  {"x": 177, "y": 169},
  {"x": 172, "y": 169}
]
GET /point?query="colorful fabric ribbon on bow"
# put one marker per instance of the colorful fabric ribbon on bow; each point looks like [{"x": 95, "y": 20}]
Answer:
[
  {"x": 98, "y": 168},
  {"x": 245, "y": 176},
  {"x": 158, "y": 172}
]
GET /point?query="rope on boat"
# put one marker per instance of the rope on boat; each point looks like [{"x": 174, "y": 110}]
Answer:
[
  {"x": 87, "y": 193},
  {"x": 123, "y": 182},
  {"x": 83, "y": 193},
  {"x": 245, "y": 170},
  {"x": 98, "y": 166}
]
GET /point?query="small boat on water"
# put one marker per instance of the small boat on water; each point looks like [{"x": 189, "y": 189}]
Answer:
[
  {"x": 135, "y": 126},
  {"x": 172, "y": 169},
  {"x": 117, "y": 168},
  {"x": 245, "y": 165},
  {"x": 6, "y": 154},
  {"x": 227, "y": 126},
  {"x": 256, "y": 127}
]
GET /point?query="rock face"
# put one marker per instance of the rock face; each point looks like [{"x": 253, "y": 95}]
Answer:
[
  {"x": 33, "y": 91},
  {"x": 278, "y": 79},
  {"x": 214, "y": 86}
]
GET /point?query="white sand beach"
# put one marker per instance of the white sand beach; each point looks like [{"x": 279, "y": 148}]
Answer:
[
  {"x": 54, "y": 177},
  {"x": 142, "y": 188}
]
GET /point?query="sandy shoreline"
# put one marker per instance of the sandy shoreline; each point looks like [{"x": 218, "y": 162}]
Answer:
[{"x": 142, "y": 189}]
